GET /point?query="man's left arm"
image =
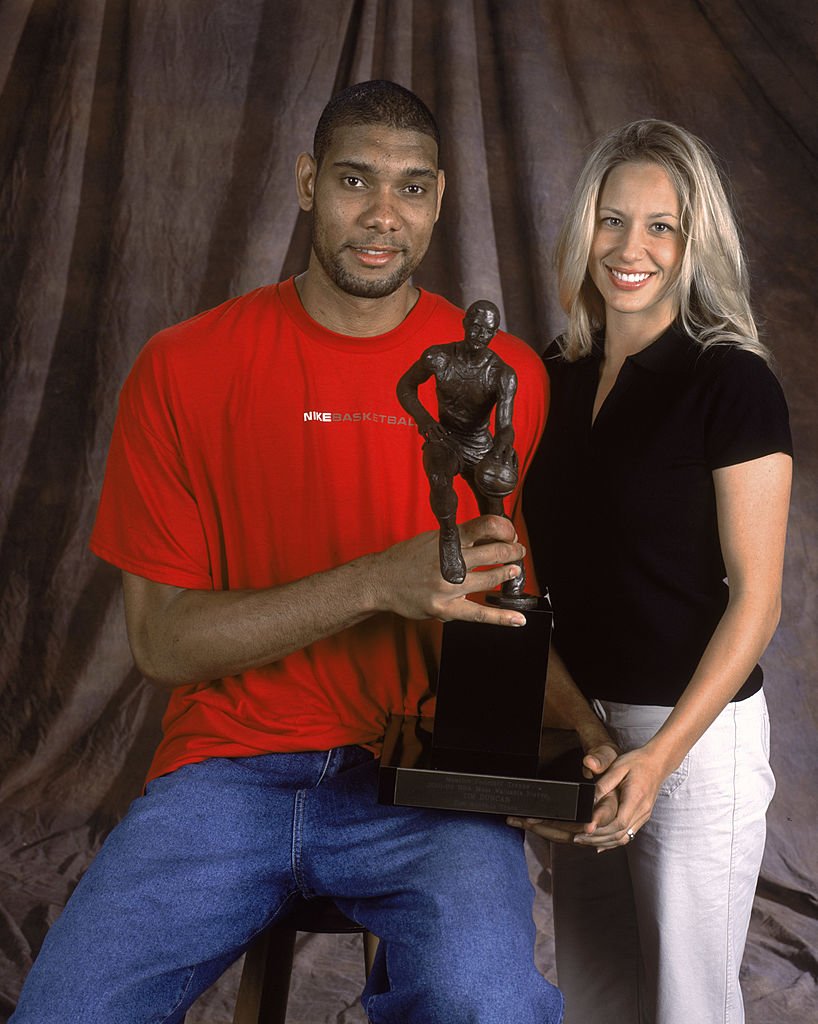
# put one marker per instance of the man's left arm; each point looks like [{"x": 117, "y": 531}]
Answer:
[{"x": 567, "y": 708}]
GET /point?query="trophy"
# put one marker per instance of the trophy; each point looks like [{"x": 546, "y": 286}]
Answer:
[{"x": 487, "y": 748}]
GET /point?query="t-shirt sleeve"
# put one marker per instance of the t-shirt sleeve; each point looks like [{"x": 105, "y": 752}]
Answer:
[
  {"x": 747, "y": 415},
  {"x": 148, "y": 521}
]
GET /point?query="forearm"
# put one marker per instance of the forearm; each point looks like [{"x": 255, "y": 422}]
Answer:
[
  {"x": 740, "y": 639},
  {"x": 199, "y": 635},
  {"x": 567, "y": 708}
]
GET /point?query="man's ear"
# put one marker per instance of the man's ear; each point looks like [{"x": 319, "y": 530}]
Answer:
[
  {"x": 441, "y": 185},
  {"x": 305, "y": 175}
]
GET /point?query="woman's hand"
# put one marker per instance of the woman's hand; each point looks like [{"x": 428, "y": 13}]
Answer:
[
  {"x": 635, "y": 777},
  {"x": 596, "y": 760}
]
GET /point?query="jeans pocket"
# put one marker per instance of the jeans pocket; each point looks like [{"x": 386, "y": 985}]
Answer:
[
  {"x": 765, "y": 731},
  {"x": 675, "y": 779}
]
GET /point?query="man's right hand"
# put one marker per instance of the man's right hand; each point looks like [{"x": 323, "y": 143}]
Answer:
[{"x": 407, "y": 581}]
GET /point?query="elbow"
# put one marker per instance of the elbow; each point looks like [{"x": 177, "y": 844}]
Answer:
[
  {"x": 761, "y": 616},
  {"x": 153, "y": 671},
  {"x": 154, "y": 664},
  {"x": 773, "y": 618}
]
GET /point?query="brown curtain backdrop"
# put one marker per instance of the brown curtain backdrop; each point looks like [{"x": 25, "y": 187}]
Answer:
[{"x": 146, "y": 173}]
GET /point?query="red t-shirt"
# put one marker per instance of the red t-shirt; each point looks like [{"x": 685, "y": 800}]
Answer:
[{"x": 254, "y": 447}]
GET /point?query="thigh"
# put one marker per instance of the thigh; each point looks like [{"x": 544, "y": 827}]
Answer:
[
  {"x": 694, "y": 867},
  {"x": 199, "y": 864},
  {"x": 449, "y": 896}
]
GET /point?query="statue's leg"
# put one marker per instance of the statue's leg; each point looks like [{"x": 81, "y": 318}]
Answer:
[{"x": 441, "y": 465}]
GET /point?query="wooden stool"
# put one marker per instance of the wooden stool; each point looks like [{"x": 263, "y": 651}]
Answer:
[{"x": 265, "y": 980}]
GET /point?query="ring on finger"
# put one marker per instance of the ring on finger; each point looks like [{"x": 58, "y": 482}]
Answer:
[{"x": 630, "y": 834}]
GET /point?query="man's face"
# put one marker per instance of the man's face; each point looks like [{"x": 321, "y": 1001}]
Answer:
[
  {"x": 480, "y": 325},
  {"x": 375, "y": 200}
]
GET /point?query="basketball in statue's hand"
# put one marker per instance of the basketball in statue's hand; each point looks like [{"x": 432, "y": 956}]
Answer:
[{"x": 495, "y": 478}]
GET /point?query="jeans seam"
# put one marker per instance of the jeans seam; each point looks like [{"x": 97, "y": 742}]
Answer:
[
  {"x": 298, "y": 832},
  {"x": 730, "y": 879},
  {"x": 181, "y": 996}
]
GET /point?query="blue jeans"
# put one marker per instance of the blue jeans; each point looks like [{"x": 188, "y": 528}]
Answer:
[{"x": 214, "y": 852}]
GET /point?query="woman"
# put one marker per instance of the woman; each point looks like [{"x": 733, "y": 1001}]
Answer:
[{"x": 664, "y": 475}]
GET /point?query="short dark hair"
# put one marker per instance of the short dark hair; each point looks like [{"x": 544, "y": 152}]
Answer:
[{"x": 375, "y": 102}]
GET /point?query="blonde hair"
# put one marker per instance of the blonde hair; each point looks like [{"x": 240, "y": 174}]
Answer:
[{"x": 713, "y": 286}]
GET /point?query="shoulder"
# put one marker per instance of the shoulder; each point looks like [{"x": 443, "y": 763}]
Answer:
[
  {"x": 743, "y": 406},
  {"x": 189, "y": 359},
  {"x": 436, "y": 356},
  {"x": 520, "y": 358},
  {"x": 197, "y": 335},
  {"x": 728, "y": 370}
]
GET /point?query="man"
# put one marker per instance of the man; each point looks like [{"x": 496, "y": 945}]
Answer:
[
  {"x": 471, "y": 381},
  {"x": 245, "y": 530}
]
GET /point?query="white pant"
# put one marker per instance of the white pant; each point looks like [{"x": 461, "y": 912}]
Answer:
[{"x": 654, "y": 932}]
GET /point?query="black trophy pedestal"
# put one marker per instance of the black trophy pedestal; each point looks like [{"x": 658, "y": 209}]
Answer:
[
  {"x": 408, "y": 779},
  {"x": 487, "y": 749}
]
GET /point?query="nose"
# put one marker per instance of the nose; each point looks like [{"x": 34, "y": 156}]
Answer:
[
  {"x": 381, "y": 213},
  {"x": 632, "y": 246}
]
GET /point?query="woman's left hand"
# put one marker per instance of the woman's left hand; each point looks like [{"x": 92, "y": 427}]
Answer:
[
  {"x": 595, "y": 761},
  {"x": 636, "y": 776}
]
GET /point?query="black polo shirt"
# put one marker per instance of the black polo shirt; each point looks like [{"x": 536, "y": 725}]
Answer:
[{"x": 622, "y": 515}]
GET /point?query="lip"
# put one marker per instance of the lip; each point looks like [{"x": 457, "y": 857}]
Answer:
[
  {"x": 374, "y": 255},
  {"x": 618, "y": 277}
]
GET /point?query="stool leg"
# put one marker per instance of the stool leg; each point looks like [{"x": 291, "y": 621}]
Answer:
[
  {"x": 370, "y": 949},
  {"x": 265, "y": 980}
]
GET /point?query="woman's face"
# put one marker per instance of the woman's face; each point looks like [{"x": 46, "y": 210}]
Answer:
[{"x": 637, "y": 249}]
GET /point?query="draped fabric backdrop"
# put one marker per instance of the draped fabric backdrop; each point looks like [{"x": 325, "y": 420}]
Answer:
[{"x": 147, "y": 174}]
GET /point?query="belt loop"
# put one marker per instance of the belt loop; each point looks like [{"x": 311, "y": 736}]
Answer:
[{"x": 599, "y": 710}]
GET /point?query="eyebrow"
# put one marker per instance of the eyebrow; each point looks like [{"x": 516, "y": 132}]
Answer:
[
  {"x": 366, "y": 168},
  {"x": 619, "y": 213}
]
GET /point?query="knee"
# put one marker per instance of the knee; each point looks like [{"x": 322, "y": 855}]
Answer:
[{"x": 467, "y": 989}]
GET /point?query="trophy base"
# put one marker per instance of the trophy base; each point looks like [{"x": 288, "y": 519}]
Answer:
[{"x": 406, "y": 778}]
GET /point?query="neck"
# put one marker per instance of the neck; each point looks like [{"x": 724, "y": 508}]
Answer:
[
  {"x": 348, "y": 314},
  {"x": 625, "y": 334}
]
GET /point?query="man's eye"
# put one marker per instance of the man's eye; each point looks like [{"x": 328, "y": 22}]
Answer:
[
  {"x": 414, "y": 190},
  {"x": 353, "y": 181}
]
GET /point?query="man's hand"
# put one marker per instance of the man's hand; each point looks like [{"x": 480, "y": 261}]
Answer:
[
  {"x": 407, "y": 578},
  {"x": 595, "y": 762}
]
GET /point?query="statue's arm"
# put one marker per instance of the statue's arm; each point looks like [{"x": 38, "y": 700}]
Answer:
[
  {"x": 504, "y": 431},
  {"x": 417, "y": 374}
]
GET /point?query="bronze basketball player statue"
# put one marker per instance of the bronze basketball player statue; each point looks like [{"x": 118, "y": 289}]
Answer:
[
  {"x": 471, "y": 381},
  {"x": 504, "y": 762}
]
